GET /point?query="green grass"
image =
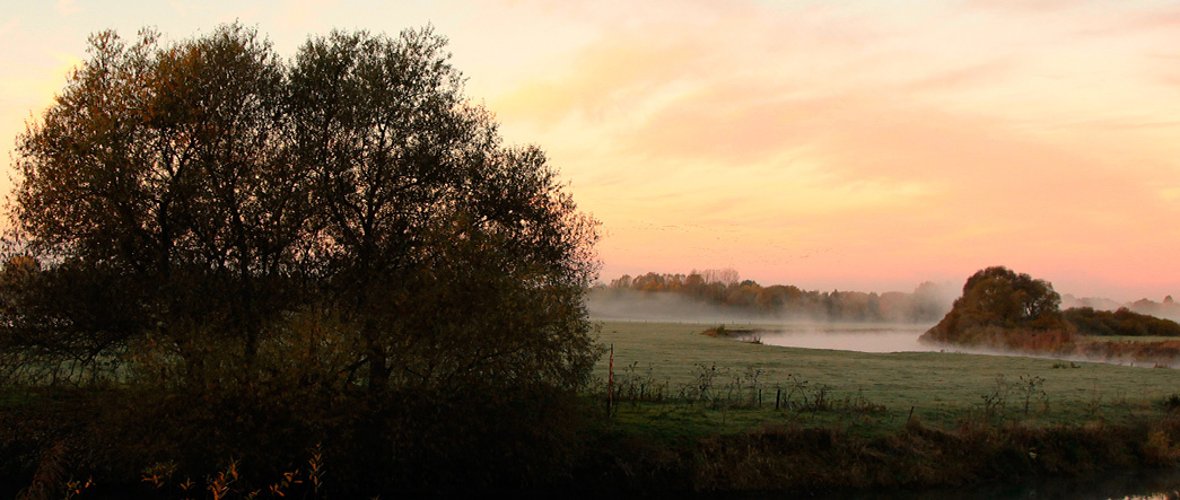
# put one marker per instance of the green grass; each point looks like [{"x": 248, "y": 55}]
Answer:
[{"x": 942, "y": 388}]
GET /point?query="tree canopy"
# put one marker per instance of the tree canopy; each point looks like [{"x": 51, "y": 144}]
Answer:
[
  {"x": 1001, "y": 307},
  {"x": 1123, "y": 322},
  {"x": 208, "y": 216},
  {"x": 719, "y": 292}
]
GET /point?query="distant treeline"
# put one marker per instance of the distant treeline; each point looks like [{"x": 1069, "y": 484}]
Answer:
[
  {"x": 723, "y": 290},
  {"x": 1167, "y": 309},
  {"x": 1089, "y": 321}
]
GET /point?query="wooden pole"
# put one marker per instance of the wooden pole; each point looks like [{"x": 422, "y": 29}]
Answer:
[{"x": 610, "y": 384}]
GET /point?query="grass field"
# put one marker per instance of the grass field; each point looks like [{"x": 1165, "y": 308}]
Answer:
[{"x": 942, "y": 389}]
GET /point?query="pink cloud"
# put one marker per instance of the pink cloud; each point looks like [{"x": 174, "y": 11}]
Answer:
[
  {"x": 1025, "y": 6},
  {"x": 793, "y": 154}
]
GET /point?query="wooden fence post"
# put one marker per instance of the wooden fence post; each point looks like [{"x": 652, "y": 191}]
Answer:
[{"x": 610, "y": 384}]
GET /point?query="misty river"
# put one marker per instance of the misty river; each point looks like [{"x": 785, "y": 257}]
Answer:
[
  {"x": 845, "y": 337},
  {"x": 886, "y": 338}
]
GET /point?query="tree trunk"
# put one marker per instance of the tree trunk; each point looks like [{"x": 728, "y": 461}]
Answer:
[{"x": 378, "y": 364}]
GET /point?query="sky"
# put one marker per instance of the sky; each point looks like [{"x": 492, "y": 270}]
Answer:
[{"x": 851, "y": 145}]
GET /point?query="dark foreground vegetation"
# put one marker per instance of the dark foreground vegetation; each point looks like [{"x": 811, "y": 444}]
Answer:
[
  {"x": 68, "y": 445},
  {"x": 831, "y": 460}
]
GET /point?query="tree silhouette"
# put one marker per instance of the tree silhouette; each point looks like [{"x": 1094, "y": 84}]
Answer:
[
  {"x": 166, "y": 169},
  {"x": 341, "y": 240}
]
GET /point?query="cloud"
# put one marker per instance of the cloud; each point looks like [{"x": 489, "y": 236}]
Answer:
[
  {"x": 877, "y": 174},
  {"x": 970, "y": 75},
  {"x": 67, "y": 7},
  {"x": 755, "y": 148},
  {"x": 8, "y": 26},
  {"x": 1024, "y": 6},
  {"x": 606, "y": 78},
  {"x": 829, "y": 141},
  {"x": 642, "y": 58},
  {"x": 1160, "y": 19}
]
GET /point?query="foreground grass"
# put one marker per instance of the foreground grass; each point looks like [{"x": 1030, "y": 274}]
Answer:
[
  {"x": 687, "y": 418},
  {"x": 879, "y": 392},
  {"x": 890, "y": 421}
]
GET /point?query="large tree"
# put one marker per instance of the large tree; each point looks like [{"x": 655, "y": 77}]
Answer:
[
  {"x": 166, "y": 169},
  {"x": 226, "y": 187},
  {"x": 419, "y": 204},
  {"x": 1002, "y": 308},
  {"x": 249, "y": 231}
]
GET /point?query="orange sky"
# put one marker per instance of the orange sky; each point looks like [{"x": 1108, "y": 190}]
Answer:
[{"x": 850, "y": 145}]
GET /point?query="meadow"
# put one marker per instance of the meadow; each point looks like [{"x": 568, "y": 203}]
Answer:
[
  {"x": 660, "y": 370},
  {"x": 695, "y": 413}
]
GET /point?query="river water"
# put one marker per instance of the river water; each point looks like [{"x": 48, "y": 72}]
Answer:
[
  {"x": 845, "y": 337},
  {"x": 884, "y": 338}
]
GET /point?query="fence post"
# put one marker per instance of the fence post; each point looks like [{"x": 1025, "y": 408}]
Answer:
[{"x": 610, "y": 384}]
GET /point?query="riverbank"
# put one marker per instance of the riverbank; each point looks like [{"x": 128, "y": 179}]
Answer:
[{"x": 826, "y": 461}]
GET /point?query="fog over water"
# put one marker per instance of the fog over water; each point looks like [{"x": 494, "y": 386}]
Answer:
[
  {"x": 845, "y": 337},
  {"x": 630, "y": 305},
  {"x": 887, "y": 338},
  {"x": 800, "y": 331}
]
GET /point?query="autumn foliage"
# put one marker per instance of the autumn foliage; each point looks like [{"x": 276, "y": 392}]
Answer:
[
  {"x": 219, "y": 252},
  {"x": 724, "y": 291},
  {"x": 1123, "y": 321},
  {"x": 1002, "y": 309}
]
